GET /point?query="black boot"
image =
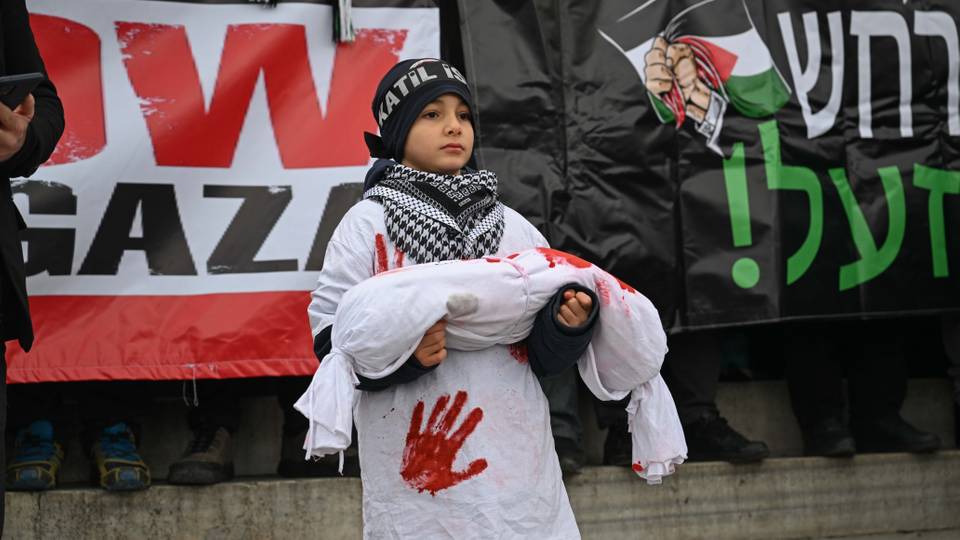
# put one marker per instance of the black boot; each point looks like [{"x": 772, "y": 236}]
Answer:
[
  {"x": 892, "y": 433},
  {"x": 829, "y": 438},
  {"x": 710, "y": 438},
  {"x": 294, "y": 465},
  {"x": 571, "y": 456},
  {"x": 618, "y": 448}
]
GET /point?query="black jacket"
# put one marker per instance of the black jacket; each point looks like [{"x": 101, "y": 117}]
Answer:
[{"x": 18, "y": 54}]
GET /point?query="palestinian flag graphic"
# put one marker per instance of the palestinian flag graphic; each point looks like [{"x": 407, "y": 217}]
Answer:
[{"x": 727, "y": 61}]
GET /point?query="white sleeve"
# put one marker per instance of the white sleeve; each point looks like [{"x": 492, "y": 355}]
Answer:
[
  {"x": 533, "y": 238},
  {"x": 349, "y": 259}
]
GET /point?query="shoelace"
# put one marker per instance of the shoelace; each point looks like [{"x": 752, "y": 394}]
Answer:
[
  {"x": 118, "y": 446},
  {"x": 33, "y": 448},
  {"x": 202, "y": 441}
]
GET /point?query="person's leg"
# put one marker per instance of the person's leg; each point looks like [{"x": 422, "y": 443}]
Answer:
[
  {"x": 612, "y": 416},
  {"x": 878, "y": 387},
  {"x": 950, "y": 333},
  {"x": 214, "y": 418},
  {"x": 292, "y": 463},
  {"x": 3, "y": 425},
  {"x": 111, "y": 415},
  {"x": 815, "y": 381},
  {"x": 39, "y": 425},
  {"x": 691, "y": 371},
  {"x": 561, "y": 391}
]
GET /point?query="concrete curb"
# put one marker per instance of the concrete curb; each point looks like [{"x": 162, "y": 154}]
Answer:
[{"x": 780, "y": 498}]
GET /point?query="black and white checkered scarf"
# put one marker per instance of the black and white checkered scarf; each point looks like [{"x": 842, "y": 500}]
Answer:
[{"x": 436, "y": 217}]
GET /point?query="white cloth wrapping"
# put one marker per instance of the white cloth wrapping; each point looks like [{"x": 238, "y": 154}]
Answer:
[{"x": 489, "y": 301}]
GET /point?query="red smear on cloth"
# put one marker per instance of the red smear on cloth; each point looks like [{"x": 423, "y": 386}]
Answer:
[
  {"x": 555, "y": 257},
  {"x": 637, "y": 467},
  {"x": 512, "y": 255},
  {"x": 603, "y": 291},
  {"x": 626, "y": 287},
  {"x": 381, "y": 254},
  {"x": 429, "y": 454},
  {"x": 491, "y": 259},
  {"x": 398, "y": 258},
  {"x": 519, "y": 351}
]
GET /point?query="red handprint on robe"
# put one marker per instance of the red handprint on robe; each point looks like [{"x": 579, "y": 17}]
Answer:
[{"x": 429, "y": 455}]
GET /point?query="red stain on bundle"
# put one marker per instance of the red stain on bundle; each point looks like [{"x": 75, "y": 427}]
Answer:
[
  {"x": 555, "y": 257},
  {"x": 603, "y": 291},
  {"x": 637, "y": 467},
  {"x": 398, "y": 258},
  {"x": 519, "y": 351},
  {"x": 626, "y": 287},
  {"x": 429, "y": 454},
  {"x": 512, "y": 255},
  {"x": 381, "y": 247},
  {"x": 491, "y": 259}
]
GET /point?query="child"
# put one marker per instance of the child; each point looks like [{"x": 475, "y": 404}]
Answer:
[{"x": 454, "y": 476}]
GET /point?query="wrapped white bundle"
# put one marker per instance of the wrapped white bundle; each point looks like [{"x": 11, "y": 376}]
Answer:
[{"x": 380, "y": 321}]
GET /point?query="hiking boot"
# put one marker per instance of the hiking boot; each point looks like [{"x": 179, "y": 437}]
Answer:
[
  {"x": 710, "y": 438},
  {"x": 118, "y": 466},
  {"x": 293, "y": 465},
  {"x": 829, "y": 438},
  {"x": 618, "y": 448},
  {"x": 207, "y": 460},
  {"x": 36, "y": 459},
  {"x": 893, "y": 434},
  {"x": 570, "y": 455}
]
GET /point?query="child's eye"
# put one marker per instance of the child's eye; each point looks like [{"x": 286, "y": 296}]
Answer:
[
  {"x": 431, "y": 114},
  {"x": 465, "y": 116}
]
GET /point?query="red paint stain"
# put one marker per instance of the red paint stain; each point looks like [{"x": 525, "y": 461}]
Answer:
[
  {"x": 626, "y": 287},
  {"x": 512, "y": 255},
  {"x": 429, "y": 453},
  {"x": 491, "y": 259},
  {"x": 398, "y": 259},
  {"x": 555, "y": 257},
  {"x": 637, "y": 467},
  {"x": 603, "y": 291},
  {"x": 519, "y": 351},
  {"x": 381, "y": 254}
]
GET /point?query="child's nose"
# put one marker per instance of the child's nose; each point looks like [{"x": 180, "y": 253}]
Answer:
[{"x": 454, "y": 126}]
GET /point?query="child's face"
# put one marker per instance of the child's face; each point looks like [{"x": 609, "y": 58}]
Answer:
[{"x": 441, "y": 139}]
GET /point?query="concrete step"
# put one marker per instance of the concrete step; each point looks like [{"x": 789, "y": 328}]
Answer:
[
  {"x": 760, "y": 410},
  {"x": 872, "y": 495}
]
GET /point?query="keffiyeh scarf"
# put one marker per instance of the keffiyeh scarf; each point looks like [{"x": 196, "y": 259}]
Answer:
[{"x": 436, "y": 217}]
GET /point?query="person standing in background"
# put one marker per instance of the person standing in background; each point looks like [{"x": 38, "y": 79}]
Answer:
[{"x": 28, "y": 135}]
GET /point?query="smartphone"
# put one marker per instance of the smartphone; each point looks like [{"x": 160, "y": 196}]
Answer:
[{"x": 14, "y": 88}]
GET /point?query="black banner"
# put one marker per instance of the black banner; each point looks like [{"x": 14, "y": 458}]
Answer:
[{"x": 737, "y": 161}]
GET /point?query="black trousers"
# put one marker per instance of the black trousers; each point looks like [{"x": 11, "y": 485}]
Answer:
[
  {"x": 692, "y": 372},
  {"x": 3, "y": 428},
  {"x": 79, "y": 409},
  {"x": 817, "y": 356},
  {"x": 216, "y": 404}
]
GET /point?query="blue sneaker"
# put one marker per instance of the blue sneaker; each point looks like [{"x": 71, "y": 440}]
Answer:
[
  {"x": 119, "y": 466},
  {"x": 36, "y": 459}
]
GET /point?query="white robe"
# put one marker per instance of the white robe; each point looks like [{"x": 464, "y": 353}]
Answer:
[{"x": 505, "y": 479}]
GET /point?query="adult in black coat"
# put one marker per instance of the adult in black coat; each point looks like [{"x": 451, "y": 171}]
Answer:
[{"x": 28, "y": 135}]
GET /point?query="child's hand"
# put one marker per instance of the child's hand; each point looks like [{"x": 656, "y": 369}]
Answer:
[
  {"x": 575, "y": 308},
  {"x": 433, "y": 347}
]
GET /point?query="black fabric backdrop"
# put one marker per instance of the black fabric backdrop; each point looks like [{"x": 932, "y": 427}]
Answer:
[{"x": 565, "y": 121}]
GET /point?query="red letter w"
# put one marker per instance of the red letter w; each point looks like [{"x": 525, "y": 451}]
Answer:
[{"x": 186, "y": 134}]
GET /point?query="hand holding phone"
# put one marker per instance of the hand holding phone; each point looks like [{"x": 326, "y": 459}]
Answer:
[
  {"x": 16, "y": 112},
  {"x": 14, "y": 89}
]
